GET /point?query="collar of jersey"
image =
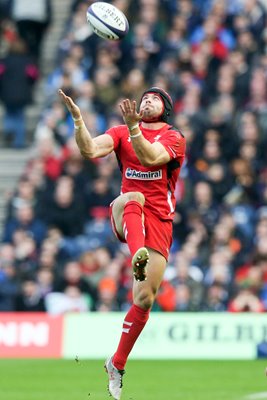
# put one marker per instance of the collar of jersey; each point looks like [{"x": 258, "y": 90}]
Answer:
[{"x": 163, "y": 129}]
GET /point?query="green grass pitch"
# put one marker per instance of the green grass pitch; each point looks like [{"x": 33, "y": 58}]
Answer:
[{"x": 144, "y": 380}]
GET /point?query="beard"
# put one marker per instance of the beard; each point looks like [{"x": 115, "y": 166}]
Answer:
[{"x": 150, "y": 116}]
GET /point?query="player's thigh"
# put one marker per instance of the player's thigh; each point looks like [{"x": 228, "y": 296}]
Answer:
[
  {"x": 155, "y": 271},
  {"x": 118, "y": 207}
]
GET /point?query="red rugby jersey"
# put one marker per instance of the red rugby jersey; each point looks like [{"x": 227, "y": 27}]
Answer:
[{"x": 156, "y": 183}]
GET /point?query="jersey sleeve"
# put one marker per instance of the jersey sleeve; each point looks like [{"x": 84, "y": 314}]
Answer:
[
  {"x": 114, "y": 133},
  {"x": 174, "y": 143}
]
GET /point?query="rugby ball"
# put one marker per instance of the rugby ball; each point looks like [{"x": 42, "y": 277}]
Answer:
[{"x": 107, "y": 21}]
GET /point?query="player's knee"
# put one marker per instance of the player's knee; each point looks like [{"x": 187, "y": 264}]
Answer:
[
  {"x": 145, "y": 299},
  {"x": 136, "y": 196}
]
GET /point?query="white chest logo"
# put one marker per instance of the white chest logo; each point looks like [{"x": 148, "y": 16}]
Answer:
[
  {"x": 156, "y": 138},
  {"x": 143, "y": 175}
]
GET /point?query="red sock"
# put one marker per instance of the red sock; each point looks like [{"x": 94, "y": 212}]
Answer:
[
  {"x": 133, "y": 227},
  {"x": 133, "y": 325}
]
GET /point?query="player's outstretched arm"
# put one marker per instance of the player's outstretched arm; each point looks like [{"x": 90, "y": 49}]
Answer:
[{"x": 89, "y": 147}]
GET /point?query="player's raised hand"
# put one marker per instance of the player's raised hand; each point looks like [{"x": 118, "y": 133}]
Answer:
[
  {"x": 71, "y": 106},
  {"x": 129, "y": 112}
]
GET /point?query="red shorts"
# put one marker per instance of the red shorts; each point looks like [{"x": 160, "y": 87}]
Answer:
[{"x": 158, "y": 233}]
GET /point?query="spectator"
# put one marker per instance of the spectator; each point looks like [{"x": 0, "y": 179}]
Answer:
[
  {"x": 24, "y": 194},
  {"x": 18, "y": 73},
  {"x": 26, "y": 254},
  {"x": 45, "y": 280},
  {"x": 30, "y": 298},
  {"x": 9, "y": 288},
  {"x": 95, "y": 264},
  {"x": 72, "y": 277},
  {"x": 246, "y": 301},
  {"x": 70, "y": 301},
  {"x": 203, "y": 201},
  {"x": 107, "y": 295},
  {"x": 32, "y": 21},
  {"x": 99, "y": 196},
  {"x": 49, "y": 160},
  {"x": 215, "y": 299},
  {"x": 189, "y": 275},
  {"x": 65, "y": 211},
  {"x": 25, "y": 221}
]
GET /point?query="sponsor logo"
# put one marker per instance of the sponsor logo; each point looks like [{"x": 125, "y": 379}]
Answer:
[
  {"x": 24, "y": 334},
  {"x": 27, "y": 335},
  {"x": 143, "y": 175}
]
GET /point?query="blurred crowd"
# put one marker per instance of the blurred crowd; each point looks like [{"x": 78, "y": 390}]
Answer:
[{"x": 58, "y": 253}]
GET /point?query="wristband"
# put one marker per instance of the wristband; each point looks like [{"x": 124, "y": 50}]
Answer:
[
  {"x": 77, "y": 119},
  {"x": 138, "y": 134},
  {"x": 133, "y": 127},
  {"x": 79, "y": 126}
]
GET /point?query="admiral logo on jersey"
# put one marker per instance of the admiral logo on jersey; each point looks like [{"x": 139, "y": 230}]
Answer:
[{"x": 143, "y": 175}]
